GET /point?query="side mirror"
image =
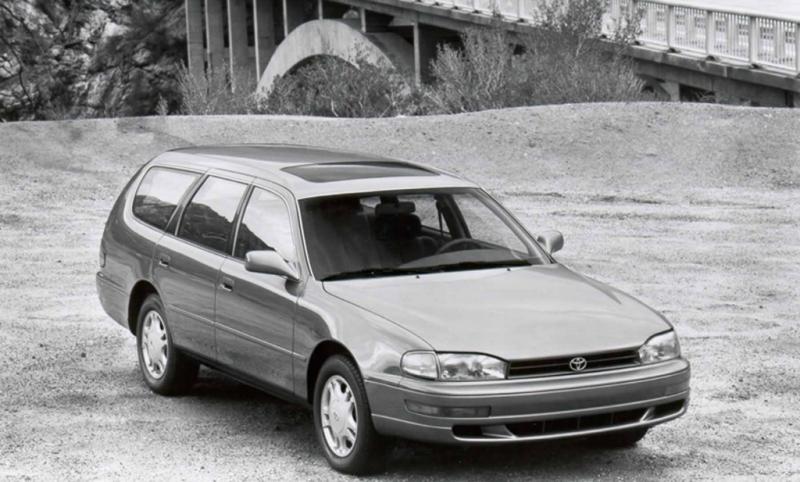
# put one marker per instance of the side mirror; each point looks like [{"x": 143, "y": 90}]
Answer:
[
  {"x": 552, "y": 241},
  {"x": 269, "y": 262}
]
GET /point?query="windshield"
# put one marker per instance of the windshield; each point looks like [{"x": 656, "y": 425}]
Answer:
[{"x": 401, "y": 233}]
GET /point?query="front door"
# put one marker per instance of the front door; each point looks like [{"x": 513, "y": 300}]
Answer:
[{"x": 255, "y": 311}]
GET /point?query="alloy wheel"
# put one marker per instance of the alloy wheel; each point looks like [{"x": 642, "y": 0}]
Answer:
[
  {"x": 155, "y": 349},
  {"x": 339, "y": 416}
]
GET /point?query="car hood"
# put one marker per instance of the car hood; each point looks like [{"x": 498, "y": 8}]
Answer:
[{"x": 518, "y": 313}]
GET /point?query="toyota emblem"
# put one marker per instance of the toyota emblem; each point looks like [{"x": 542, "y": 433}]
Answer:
[{"x": 577, "y": 364}]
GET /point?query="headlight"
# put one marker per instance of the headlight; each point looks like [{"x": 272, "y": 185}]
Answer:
[
  {"x": 659, "y": 348},
  {"x": 457, "y": 367},
  {"x": 453, "y": 366},
  {"x": 420, "y": 364}
]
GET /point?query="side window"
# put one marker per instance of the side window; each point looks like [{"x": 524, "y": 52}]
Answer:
[
  {"x": 159, "y": 193},
  {"x": 208, "y": 219},
  {"x": 265, "y": 225}
]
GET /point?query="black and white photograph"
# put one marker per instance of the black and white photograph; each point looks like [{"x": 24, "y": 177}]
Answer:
[{"x": 433, "y": 240}]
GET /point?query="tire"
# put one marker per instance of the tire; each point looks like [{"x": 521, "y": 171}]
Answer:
[
  {"x": 172, "y": 374},
  {"x": 366, "y": 454},
  {"x": 622, "y": 439}
]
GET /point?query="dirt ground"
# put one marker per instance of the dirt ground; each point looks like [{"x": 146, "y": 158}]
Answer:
[{"x": 694, "y": 209}]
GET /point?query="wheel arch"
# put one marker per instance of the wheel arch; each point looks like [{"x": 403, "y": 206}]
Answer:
[
  {"x": 141, "y": 290},
  {"x": 324, "y": 350}
]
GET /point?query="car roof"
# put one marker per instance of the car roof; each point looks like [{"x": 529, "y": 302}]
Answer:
[{"x": 313, "y": 171}]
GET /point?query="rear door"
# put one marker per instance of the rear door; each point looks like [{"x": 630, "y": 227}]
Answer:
[
  {"x": 255, "y": 311},
  {"x": 188, "y": 260}
]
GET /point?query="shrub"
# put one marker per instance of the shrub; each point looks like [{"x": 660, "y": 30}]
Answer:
[
  {"x": 331, "y": 87},
  {"x": 563, "y": 61},
  {"x": 484, "y": 73},
  {"x": 217, "y": 92}
]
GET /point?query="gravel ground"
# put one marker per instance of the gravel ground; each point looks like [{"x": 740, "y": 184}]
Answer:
[{"x": 695, "y": 209}]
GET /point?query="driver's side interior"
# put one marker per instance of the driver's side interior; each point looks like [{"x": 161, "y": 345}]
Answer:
[{"x": 383, "y": 231}]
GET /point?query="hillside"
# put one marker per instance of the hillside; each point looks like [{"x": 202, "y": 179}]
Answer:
[
  {"x": 693, "y": 208},
  {"x": 100, "y": 58}
]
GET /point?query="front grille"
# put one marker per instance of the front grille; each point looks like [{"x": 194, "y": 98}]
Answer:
[
  {"x": 565, "y": 426},
  {"x": 544, "y": 367}
]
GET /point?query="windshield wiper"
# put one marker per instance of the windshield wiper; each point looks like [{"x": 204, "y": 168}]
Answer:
[
  {"x": 466, "y": 265},
  {"x": 372, "y": 272}
]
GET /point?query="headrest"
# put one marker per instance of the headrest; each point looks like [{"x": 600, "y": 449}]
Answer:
[
  {"x": 394, "y": 208},
  {"x": 397, "y": 227}
]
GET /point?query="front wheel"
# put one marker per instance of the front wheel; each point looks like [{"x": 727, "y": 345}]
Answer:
[{"x": 343, "y": 422}]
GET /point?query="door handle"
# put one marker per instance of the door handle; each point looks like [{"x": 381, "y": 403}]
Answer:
[
  {"x": 227, "y": 284},
  {"x": 163, "y": 260}
]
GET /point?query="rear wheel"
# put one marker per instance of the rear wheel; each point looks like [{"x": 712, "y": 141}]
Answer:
[
  {"x": 621, "y": 439},
  {"x": 166, "y": 370},
  {"x": 343, "y": 421}
]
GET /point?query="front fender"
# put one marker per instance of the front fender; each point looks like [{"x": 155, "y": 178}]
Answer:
[{"x": 376, "y": 344}]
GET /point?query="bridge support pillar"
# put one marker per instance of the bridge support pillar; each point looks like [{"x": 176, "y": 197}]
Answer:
[
  {"x": 215, "y": 35},
  {"x": 672, "y": 89},
  {"x": 195, "y": 51},
  {"x": 264, "y": 33},
  {"x": 425, "y": 41},
  {"x": 331, "y": 10},
  {"x": 238, "y": 52},
  {"x": 373, "y": 21},
  {"x": 294, "y": 14},
  {"x": 793, "y": 99}
]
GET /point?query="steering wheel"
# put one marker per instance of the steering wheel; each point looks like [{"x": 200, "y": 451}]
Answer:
[{"x": 448, "y": 246}]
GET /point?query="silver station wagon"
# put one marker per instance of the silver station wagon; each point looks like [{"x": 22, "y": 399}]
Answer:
[{"x": 393, "y": 299}]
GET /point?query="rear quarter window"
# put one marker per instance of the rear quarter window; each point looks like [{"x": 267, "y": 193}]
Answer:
[{"x": 159, "y": 194}]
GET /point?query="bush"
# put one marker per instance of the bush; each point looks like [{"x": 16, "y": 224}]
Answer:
[
  {"x": 573, "y": 64},
  {"x": 327, "y": 86},
  {"x": 217, "y": 92},
  {"x": 563, "y": 61},
  {"x": 484, "y": 73}
]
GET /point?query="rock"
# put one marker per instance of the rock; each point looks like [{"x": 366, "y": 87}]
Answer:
[
  {"x": 142, "y": 57},
  {"x": 114, "y": 57},
  {"x": 112, "y": 29},
  {"x": 98, "y": 87},
  {"x": 95, "y": 25}
]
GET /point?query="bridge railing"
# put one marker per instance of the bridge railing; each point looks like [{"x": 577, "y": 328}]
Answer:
[{"x": 771, "y": 42}]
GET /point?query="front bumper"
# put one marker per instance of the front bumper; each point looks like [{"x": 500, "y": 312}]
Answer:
[{"x": 535, "y": 408}]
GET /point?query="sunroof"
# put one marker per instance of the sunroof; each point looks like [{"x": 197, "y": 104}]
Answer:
[{"x": 346, "y": 171}]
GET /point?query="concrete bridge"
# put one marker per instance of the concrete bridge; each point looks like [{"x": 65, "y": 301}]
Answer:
[{"x": 686, "y": 51}]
